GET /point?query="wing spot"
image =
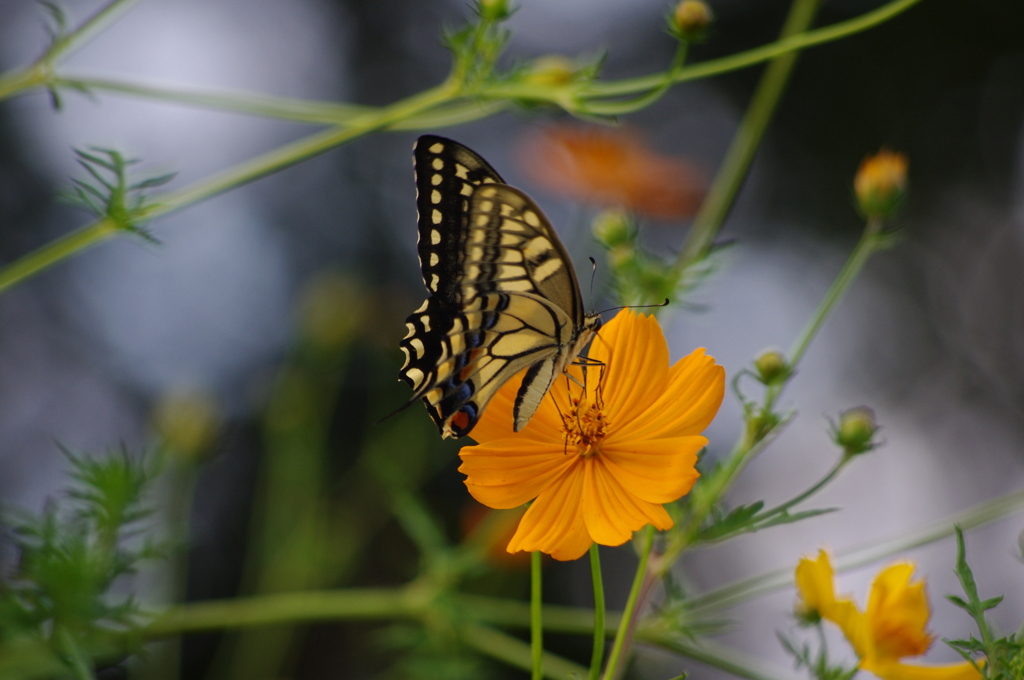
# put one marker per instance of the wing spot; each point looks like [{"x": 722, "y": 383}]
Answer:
[
  {"x": 489, "y": 192},
  {"x": 416, "y": 375},
  {"x": 437, "y": 164},
  {"x": 467, "y": 190},
  {"x": 486, "y": 206},
  {"x": 436, "y": 148},
  {"x": 435, "y": 238},
  {"x": 435, "y": 216},
  {"x": 435, "y": 196},
  {"x": 531, "y": 218},
  {"x": 417, "y": 345},
  {"x": 481, "y": 220},
  {"x": 425, "y": 319},
  {"x": 434, "y": 280},
  {"x": 461, "y": 171},
  {"x": 436, "y": 179},
  {"x": 410, "y": 330},
  {"x": 423, "y": 307},
  {"x": 435, "y": 258}
]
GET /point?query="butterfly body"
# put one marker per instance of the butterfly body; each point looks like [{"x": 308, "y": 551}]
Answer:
[{"x": 504, "y": 296}]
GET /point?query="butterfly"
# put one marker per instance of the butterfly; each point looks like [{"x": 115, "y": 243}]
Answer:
[{"x": 504, "y": 296}]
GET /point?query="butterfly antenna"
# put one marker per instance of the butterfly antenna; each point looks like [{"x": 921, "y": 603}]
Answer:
[
  {"x": 593, "y": 273},
  {"x": 612, "y": 309}
]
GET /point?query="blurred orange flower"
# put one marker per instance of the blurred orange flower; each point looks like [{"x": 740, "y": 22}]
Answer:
[
  {"x": 893, "y": 626},
  {"x": 599, "y": 463},
  {"x": 613, "y": 167}
]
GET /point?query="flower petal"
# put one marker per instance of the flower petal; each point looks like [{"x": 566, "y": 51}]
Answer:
[
  {"x": 611, "y": 512},
  {"x": 905, "y": 671},
  {"x": 509, "y": 472},
  {"x": 635, "y": 354},
  {"x": 554, "y": 523},
  {"x": 657, "y": 470},
  {"x": 898, "y": 613},
  {"x": 496, "y": 421},
  {"x": 691, "y": 398}
]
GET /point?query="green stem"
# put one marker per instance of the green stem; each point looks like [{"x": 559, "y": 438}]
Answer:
[
  {"x": 282, "y": 157},
  {"x": 867, "y": 245},
  {"x": 409, "y": 602},
  {"x": 517, "y": 653},
  {"x": 779, "y": 509},
  {"x": 625, "y": 623},
  {"x": 40, "y": 72},
  {"x": 757, "y": 55},
  {"x": 536, "y": 623},
  {"x": 729, "y": 660},
  {"x": 301, "y": 110},
  {"x": 284, "y": 608},
  {"x": 63, "y": 47},
  {"x": 597, "y": 656},
  {"x": 858, "y": 556},
  {"x": 80, "y": 665},
  {"x": 55, "y": 251},
  {"x": 621, "y": 108},
  {"x": 746, "y": 142}
]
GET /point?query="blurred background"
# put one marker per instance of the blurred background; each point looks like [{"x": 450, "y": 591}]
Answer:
[{"x": 261, "y": 333}]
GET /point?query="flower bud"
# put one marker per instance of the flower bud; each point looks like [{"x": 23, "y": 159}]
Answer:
[
  {"x": 771, "y": 366},
  {"x": 187, "y": 422},
  {"x": 856, "y": 430},
  {"x": 880, "y": 183},
  {"x": 493, "y": 10},
  {"x": 553, "y": 69},
  {"x": 611, "y": 228},
  {"x": 690, "y": 20}
]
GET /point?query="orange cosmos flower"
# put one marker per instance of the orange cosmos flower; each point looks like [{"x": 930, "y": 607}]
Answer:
[
  {"x": 599, "y": 463},
  {"x": 893, "y": 626},
  {"x": 613, "y": 167}
]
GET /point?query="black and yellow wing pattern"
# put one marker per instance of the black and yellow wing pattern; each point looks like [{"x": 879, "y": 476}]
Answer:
[{"x": 503, "y": 292}]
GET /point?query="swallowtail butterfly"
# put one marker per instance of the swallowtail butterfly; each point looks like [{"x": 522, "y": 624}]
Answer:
[{"x": 504, "y": 296}]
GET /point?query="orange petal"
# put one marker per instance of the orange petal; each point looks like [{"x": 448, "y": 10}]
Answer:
[
  {"x": 509, "y": 472},
  {"x": 554, "y": 523},
  {"x": 634, "y": 350},
  {"x": 655, "y": 470},
  {"x": 496, "y": 421},
  {"x": 690, "y": 400},
  {"x": 611, "y": 513}
]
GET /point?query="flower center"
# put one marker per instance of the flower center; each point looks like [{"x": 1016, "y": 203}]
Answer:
[{"x": 585, "y": 426}]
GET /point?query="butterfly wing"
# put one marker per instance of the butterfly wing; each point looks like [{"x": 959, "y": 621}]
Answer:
[{"x": 504, "y": 295}]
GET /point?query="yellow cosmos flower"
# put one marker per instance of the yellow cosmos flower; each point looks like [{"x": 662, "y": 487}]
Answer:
[
  {"x": 893, "y": 626},
  {"x": 599, "y": 462}
]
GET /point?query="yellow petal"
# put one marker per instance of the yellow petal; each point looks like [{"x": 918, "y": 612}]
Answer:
[
  {"x": 904, "y": 671},
  {"x": 554, "y": 523},
  {"x": 611, "y": 513},
  {"x": 898, "y": 613},
  {"x": 507, "y": 473},
  {"x": 815, "y": 583},
  {"x": 692, "y": 397},
  {"x": 657, "y": 470}
]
